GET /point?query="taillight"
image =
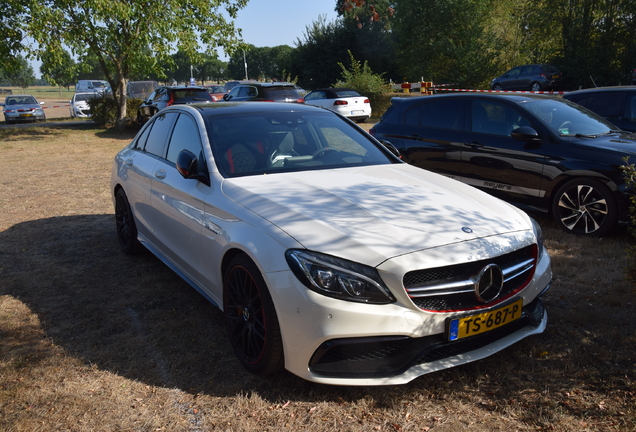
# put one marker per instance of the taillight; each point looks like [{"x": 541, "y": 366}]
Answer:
[
  {"x": 267, "y": 100},
  {"x": 367, "y": 101},
  {"x": 341, "y": 102},
  {"x": 301, "y": 100},
  {"x": 542, "y": 75},
  {"x": 171, "y": 100}
]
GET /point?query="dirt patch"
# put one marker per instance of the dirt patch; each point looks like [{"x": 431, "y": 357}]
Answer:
[{"x": 93, "y": 340}]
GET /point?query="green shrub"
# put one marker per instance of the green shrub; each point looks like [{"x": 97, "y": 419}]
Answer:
[
  {"x": 104, "y": 110},
  {"x": 629, "y": 172},
  {"x": 363, "y": 80}
]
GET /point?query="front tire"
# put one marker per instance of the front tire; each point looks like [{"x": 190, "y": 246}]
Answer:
[
  {"x": 125, "y": 223},
  {"x": 251, "y": 319},
  {"x": 585, "y": 207},
  {"x": 535, "y": 87},
  {"x": 497, "y": 87}
]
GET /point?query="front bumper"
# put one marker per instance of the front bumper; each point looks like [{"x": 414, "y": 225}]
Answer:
[
  {"x": 34, "y": 115},
  {"x": 338, "y": 342}
]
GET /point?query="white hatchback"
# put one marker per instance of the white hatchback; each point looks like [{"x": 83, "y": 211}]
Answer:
[
  {"x": 327, "y": 255},
  {"x": 79, "y": 105},
  {"x": 344, "y": 101}
]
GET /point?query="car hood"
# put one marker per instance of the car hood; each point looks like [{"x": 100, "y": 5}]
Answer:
[
  {"x": 21, "y": 107},
  {"x": 623, "y": 143},
  {"x": 373, "y": 213}
]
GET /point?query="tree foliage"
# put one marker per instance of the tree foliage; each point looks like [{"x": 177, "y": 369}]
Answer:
[
  {"x": 59, "y": 70},
  {"x": 131, "y": 37},
  {"x": 20, "y": 75}
]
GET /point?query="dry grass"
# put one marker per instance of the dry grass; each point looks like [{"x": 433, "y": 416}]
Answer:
[{"x": 92, "y": 340}]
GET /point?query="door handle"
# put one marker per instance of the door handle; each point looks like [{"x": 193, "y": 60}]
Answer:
[
  {"x": 475, "y": 144},
  {"x": 129, "y": 162},
  {"x": 160, "y": 175}
]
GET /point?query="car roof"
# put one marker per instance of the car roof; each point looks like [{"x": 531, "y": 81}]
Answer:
[
  {"x": 267, "y": 84},
  {"x": 222, "y": 107},
  {"x": 604, "y": 89},
  {"x": 511, "y": 96}
]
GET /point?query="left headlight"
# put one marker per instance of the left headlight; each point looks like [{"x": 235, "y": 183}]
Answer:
[
  {"x": 538, "y": 233},
  {"x": 338, "y": 278}
]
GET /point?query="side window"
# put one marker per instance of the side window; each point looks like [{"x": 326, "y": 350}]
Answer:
[
  {"x": 495, "y": 118},
  {"x": 442, "y": 114},
  {"x": 157, "y": 138},
  {"x": 185, "y": 136},
  {"x": 153, "y": 95},
  {"x": 631, "y": 113},
  {"x": 513, "y": 73},
  {"x": 607, "y": 104},
  {"x": 141, "y": 141}
]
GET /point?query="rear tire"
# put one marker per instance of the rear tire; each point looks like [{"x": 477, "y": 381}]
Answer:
[
  {"x": 125, "y": 223},
  {"x": 251, "y": 319},
  {"x": 585, "y": 207}
]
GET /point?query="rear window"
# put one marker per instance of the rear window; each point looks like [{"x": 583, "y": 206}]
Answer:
[
  {"x": 347, "y": 93},
  {"x": 191, "y": 95},
  {"x": 281, "y": 93}
]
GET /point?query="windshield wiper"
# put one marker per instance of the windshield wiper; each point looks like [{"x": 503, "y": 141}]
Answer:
[{"x": 580, "y": 135}]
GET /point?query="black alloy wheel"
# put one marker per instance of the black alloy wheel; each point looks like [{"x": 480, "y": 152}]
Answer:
[
  {"x": 125, "y": 223},
  {"x": 251, "y": 319},
  {"x": 585, "y": 207},
  {"x": 497, "y": 87}
]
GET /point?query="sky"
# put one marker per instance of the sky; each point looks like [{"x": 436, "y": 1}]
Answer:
[{"x": 267, "y": 23}]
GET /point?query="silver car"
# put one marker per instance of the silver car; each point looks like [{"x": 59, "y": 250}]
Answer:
[{"x": 22, "y": 108}]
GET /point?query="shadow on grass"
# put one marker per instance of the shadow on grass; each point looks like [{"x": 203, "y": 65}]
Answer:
[{"x": 136, "y": 318}]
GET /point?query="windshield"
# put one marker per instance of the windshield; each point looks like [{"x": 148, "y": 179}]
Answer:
[
  {"x": 21, "y": 100},
  {"x": 84, "y": 97},
  {"x": 270, "y": 142},
  {"x": 567, "y": 118}
]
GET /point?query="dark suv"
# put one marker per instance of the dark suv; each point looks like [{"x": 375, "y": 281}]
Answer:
[
  {"x": 265, "y": 92},
  {"x": 169, "y": 95},
  {"x": 616, "y": 104},
  {"x": 533, "y": 77},
  {"x": 538, "y": 152}
]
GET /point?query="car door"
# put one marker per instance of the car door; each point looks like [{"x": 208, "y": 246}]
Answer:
[
  {"x": 179, "y": 202},
  {"x": 513, "y": 80},
  {"x": 494, "y": 161},
  {"x": 140, "y": 166},
  {"x": 431, "y": 135}
]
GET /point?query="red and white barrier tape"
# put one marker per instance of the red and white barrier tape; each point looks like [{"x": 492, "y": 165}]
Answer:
[
  {"x": 56, "y": 106},
  {"x": 504, "y": 91}
]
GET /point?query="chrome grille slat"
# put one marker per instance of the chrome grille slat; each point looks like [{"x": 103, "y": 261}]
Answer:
[{"x": 452, "y": 287}]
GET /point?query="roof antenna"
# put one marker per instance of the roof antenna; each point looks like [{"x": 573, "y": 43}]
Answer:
[{"x": 593, "y": 81}]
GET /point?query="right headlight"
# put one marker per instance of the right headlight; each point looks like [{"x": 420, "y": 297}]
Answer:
[
  {"x": 538, "y": 233},
  {"x": 338, "y": 278}
]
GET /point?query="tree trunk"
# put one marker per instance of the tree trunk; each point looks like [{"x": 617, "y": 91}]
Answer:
[{"x": 121, "y": 100}]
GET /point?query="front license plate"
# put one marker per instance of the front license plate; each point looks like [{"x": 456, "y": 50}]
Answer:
[
  {"x": 26, "y": 115},
  {"x": 471, "y": 325}
]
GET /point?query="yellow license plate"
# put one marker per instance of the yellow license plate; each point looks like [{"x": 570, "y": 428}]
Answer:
[
  {"x": 26, "y": 115},
  {"x": 471, "y": 325}
]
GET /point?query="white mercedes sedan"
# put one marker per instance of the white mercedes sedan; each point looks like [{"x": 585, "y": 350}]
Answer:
[{"x": 328, "y": 256}]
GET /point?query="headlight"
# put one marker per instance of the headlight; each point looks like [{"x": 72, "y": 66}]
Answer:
[
  {"x": 538, "y": 233},
  {"x": 338, "y": 278}
]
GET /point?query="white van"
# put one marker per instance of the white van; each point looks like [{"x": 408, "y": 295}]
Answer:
[{"x": 92, "y": 86}]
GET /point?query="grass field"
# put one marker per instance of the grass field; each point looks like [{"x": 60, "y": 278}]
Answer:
[{"x": 94, "y": 340}]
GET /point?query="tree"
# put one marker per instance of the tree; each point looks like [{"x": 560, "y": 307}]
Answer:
[
  {"x": 10, "y": 35},
  {"x": 131, "y": 37},
  {"x": 20, "y": 75},
  {"x": 60, "y": 71},
  {"x": 444, "y": 41},
  {"x": 212, "y": 69},
  {"x": 316, "y": 57}
]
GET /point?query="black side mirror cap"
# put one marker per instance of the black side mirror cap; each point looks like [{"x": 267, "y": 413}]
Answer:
[
  {"x": 525, "y": 134},
  {"x": 188, "y": 167}
]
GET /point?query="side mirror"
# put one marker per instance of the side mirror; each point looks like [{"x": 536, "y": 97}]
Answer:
[
  {"x": 188, "y": 167},
  {"x": 226, "y": 96},
  {"x": 390, "y": 147},
  {"x": 525, "y": 134},
  {"x": 41, "y": 103}
]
